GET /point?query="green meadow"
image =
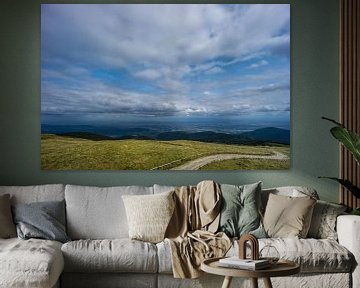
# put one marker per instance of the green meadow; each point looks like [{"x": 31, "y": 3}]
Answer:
[{"x": 67, "y": 153}]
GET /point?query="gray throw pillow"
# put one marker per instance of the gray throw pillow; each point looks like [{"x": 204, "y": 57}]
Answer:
[
  {"x": 44, "y": 220},
  {"x": 7, "y": 227},
  {"x": 240, "y": 213},
  {"x": 323, "y": 222}
]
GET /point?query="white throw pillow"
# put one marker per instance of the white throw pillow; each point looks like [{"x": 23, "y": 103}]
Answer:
[{"x": 149, "y": 215}]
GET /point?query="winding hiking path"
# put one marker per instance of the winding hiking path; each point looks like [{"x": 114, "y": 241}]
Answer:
[{"x": 200, "y": 162}]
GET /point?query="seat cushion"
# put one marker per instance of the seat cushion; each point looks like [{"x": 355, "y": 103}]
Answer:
[
  {"x": 30, "y": 263},
  {"x": 117, "y": 255},
  {"x": 313, "y": 255}
]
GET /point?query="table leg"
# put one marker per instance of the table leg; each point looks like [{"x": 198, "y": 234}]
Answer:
[
  {"x": 254, "y": 282},
  {"x": 267, "y": 283},
  {"x": 227, "y": 282}
]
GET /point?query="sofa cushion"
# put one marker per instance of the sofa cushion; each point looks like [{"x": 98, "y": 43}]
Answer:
[
  {"x": 149, "y": 215},
  {"x": 7, "y": 226},
  {"x": 287, "y": 216},
  {"x": 43, "y": 220},
  {"x": 164, "y": 257},
  {"x": 163, "y": 188},
  {"x": 323, "y": 222},
  {"x": 36, "y": 193},
  {"x": 291, "y": 191},
  {"x": 117, "y": 255},
  {"x": 98, "y": 213},
  {"x": 240, "y": 210},
  {"x": 313, "y": 255},
  {"x": 30, "y": 263}
]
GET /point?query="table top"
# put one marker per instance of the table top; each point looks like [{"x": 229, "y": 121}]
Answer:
[{"x": 281, "y": 268}]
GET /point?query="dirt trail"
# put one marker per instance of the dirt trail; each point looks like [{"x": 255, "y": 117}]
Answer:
[{"x": 200, "y": 162}]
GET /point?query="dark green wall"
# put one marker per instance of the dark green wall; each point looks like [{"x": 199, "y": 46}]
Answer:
[{"x": 314, "y": 93}]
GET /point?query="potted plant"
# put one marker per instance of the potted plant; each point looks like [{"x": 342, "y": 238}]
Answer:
[{"x": 351, "y": 141}]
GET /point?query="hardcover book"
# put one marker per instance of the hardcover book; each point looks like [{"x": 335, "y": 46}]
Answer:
[{"x": 236, "y": 262}]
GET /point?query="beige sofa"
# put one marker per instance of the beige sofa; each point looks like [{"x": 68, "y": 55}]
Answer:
[{"x": 101, "y": 254}]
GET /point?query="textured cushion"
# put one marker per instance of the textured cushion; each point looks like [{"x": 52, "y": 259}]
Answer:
[
  {"x": 313, "y": 255},
  {"x": 117, "y": 255},
  {"x": 149, "y": 215},
  {"x": 98, "y": 213},
  {"x": 323, "y": 222},
  {"x": 7, "y": 227},
  {"x": 287, "y": 216},
  {"x": 164, "y": 257},
  {"x": 36, "y": 193},
  {"x": 44, "y": 220},
  {"x": 30, "y": 263},
  {"x": 240, "y": 210}
]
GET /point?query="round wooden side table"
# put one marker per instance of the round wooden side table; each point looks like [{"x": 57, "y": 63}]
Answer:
[{"x": 281, "y": 268}]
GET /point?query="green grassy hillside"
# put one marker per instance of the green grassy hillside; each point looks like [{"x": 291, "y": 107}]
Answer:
[{"x": 66, "y": 153}]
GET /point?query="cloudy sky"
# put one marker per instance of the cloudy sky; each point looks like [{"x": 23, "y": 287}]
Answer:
[{"x": 124, "y": 62}]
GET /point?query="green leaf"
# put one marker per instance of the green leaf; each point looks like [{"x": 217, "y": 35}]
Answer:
[
  {"x": 347, "y": 184},
  {"x": 349, "y": 139},
  {"x": 355, "y": 211},
  {"x": 333, "y": 121}
]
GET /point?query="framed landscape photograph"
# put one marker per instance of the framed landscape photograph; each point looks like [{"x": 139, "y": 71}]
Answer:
[{"x": 165, "y": 86}]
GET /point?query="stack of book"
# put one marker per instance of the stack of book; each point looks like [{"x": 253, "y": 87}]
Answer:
[{"x": 248, "y": 264}]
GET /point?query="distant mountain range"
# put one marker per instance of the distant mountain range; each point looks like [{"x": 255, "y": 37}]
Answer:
[
  {"x": 270, "y": 134},
  {"x": 255, "y": 137},
  {"x": 87, "y": 135}
]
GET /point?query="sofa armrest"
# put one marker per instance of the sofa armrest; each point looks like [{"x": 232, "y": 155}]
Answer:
[{"x": 348, "y": 230}]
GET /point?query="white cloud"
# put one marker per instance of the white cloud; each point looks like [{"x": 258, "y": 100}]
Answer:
[
  {"x": 148, "y": 74},
  {"x": 215, "y": 70},
  {"x": 259, "y": 64},
  {"x": 195, "y": 110}
]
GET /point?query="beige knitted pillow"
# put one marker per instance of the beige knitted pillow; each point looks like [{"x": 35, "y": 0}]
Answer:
[
  {"x": 288, "y": 217},
  {"x": 149, "y": 215}
]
